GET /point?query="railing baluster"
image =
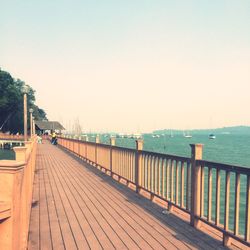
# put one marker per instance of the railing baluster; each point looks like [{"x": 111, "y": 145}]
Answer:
[
  {"x": 148, "y": 172},
  {"x": 145, "y": 169},
  {"x": 152, "y": 174},
  {"x": 167, "y": 178},
  {"x": 247, "y": 226},
  {"x": 182, "y": 184},
  {"x": 237, "y": 201},
  {"x": 217, "y": 212},
  {"x": 172, "y": 181},
  {"x": 226, "y": 240},
  {"x": 202, "y": 191},
  {"x": 159, "y": 191},
  {"x": 209, "y": 195},
  {"x": 122, "y": 163},
  {"x": 176, "y": 182},
  {"x": 163, "y": 179},
  {"x": 125, "y": 166},
  {"x": 188, "y": 186},
  {"x": 118, "y": 162},
  {"x": 155, "y": 178},
  {"x": 142, "y": 170},
  {"x": 131, "y": 169}
]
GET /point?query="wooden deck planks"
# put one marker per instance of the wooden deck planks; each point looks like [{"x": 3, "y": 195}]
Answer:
[
  {"x": 77, "y": 207},
  {"x": 142, "y": 228}
]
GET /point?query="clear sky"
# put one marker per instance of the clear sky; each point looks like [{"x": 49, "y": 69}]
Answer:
[{"x": 132, "y": 65}]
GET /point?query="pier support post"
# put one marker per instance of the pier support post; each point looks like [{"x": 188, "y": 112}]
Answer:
[
  {"x": 112, "y": 143},
  {"x": 20, "y": 153},
  {"x": 196, "y": 154},
  {"x": 11, "y": 227},
  {"x": 139, "y": 147}
]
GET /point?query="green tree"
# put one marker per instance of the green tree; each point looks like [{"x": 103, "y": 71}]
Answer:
[{"x": 11, "y": 104}]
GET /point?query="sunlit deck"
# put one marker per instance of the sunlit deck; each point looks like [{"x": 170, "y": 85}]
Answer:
[{"x": 75, "y": 206}]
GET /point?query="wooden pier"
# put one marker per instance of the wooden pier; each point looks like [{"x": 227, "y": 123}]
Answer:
[
  {"x": 90, "y": 195},
  {"x": 76, "y": 206}
]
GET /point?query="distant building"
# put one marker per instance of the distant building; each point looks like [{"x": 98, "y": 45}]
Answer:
[{"x": 46, "y": 127}]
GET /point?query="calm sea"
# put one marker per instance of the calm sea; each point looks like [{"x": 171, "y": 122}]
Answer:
[{"x": 231, "y": 149}]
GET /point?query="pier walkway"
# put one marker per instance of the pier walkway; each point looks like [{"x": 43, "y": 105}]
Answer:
[{"x": 76, "y": 206}]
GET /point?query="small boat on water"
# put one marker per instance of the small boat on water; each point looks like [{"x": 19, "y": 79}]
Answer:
[
  {"x": 212, "y": 136},
  {"x": 187, "y": 135},
  {"x": 156, "y": 136}
]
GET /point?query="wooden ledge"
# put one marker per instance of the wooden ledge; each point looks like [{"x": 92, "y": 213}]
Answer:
[
  {"x": 5, "y": 210},
  {"x": 11, "y": 165}
]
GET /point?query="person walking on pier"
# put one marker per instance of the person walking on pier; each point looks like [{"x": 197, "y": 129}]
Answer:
[{"x": 54, "y": 139}]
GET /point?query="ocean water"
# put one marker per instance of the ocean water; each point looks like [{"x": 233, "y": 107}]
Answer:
[
  {"x": 7, "y": 154},
  {"x": 226, "y": 148}
]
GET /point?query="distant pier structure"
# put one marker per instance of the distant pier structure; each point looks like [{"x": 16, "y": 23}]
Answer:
[
  {"x": 8, "y": 144},
  {"x": 46, "y": 127},
  {"x": 9, "y": 141}
]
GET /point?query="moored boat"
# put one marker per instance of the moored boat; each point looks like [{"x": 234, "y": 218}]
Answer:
[{"x": 212, "y": 136}]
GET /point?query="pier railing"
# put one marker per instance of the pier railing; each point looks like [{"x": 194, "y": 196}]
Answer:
[
  {"x": 208, "y": 192},
  {"x": 4, "y": 136},
  {"x": 16, "y": 183}
]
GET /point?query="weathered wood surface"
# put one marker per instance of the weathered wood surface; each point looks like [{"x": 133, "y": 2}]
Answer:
[{"x": 75, "y": 206}]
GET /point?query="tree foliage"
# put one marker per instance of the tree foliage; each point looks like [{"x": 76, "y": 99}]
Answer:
[{"x": 11, "y": 104}]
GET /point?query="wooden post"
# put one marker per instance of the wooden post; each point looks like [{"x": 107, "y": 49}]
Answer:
[
  {"x": 196, "y": 154},
  {"x": 139, "y": 147},
  {"x": 11, "y": 227},
  {"x": 20, "y": 153},
  {"x": 97, "y": 140},
  {"x": 86, "y": 147},
  {"x": 79, "y": 147},
  {"x": 112, "y": 143}
]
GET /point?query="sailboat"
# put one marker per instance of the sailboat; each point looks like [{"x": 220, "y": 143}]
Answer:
[
  {"x": 171, "y": 134},
  {"x": 187, "y": 135},
  {"x": 212, "y": 136}
]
